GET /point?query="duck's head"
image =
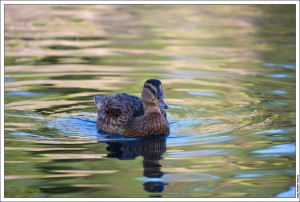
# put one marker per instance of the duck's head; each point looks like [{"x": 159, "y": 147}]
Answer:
[{"x": 153, "y": 94}]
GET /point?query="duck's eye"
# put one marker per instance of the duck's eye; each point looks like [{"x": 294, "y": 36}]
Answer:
[{"x": 158, "y": 98}]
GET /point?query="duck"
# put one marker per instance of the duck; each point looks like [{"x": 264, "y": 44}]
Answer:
[{"x": 132, "y": 116}]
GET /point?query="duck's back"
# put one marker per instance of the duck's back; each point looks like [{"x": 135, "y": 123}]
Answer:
[{"x": 115, "y": 111}]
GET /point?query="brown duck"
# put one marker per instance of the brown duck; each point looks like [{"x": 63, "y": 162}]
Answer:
[{"x": 134, "y": 117}]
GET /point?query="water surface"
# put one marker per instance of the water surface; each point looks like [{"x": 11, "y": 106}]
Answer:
[{"x": 229, "y": 77}]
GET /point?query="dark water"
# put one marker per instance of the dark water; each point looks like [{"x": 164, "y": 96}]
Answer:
[{"x": 229, "y": 76}]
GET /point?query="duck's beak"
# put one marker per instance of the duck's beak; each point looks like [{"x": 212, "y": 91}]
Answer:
[{"x": 163, "y": 104}]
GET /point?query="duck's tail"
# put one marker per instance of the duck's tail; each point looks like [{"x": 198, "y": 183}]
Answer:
[{"x": 98, "y": 101}]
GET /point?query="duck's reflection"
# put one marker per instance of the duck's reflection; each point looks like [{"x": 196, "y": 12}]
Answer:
[{"x": 151, "y": 149}]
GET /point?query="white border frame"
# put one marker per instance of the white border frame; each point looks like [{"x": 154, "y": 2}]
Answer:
[{"x": 3, "y": 3}]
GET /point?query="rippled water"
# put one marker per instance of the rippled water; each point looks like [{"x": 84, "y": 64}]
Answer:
[{"x": 229, "y": 76}]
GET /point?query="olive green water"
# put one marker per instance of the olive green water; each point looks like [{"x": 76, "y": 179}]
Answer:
[{"x": 229, "y": 77}]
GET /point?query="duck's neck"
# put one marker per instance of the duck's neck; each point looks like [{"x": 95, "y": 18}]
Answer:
[{"x": 150, "y": 108}]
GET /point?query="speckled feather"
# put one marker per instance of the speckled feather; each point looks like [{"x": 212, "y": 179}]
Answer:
[
  {"x": 115, "y": 111},
  {"x": 147, "y": 125}
]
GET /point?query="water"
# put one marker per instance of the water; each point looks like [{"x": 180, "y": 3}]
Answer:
[{"x": 229, "y": 77}]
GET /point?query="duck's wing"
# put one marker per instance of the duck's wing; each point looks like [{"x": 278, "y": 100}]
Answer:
[
  {"x": 122, "y": 104},
  {"x": 114, "y": 107},
  {"x": 110, "y": 105}
]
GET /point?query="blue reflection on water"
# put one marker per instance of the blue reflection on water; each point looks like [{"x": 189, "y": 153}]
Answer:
[
  {"x": 23, "y": 134},
  {"x": 281, "y": 103},
  {"x": 81, "y": 126},
  {"x": 206, "y": 94},
  {"x": 291, "y": 193},
  {"x": 274, "y": 103},
  {"x": 286, "y": 66},
  {"x": 32, "y": 115},
  {"x": 277, "y": 150},
  {"x": 23, "y": 93},
  {"x": 275, "y": 131},
  {"x": 279, "y": 92},
  {"x": 264, "y": 173},
  {"x": 281, "y": 76},
  {"x": 8, "y": 79},
  {"x": 249, "y": 175}
]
